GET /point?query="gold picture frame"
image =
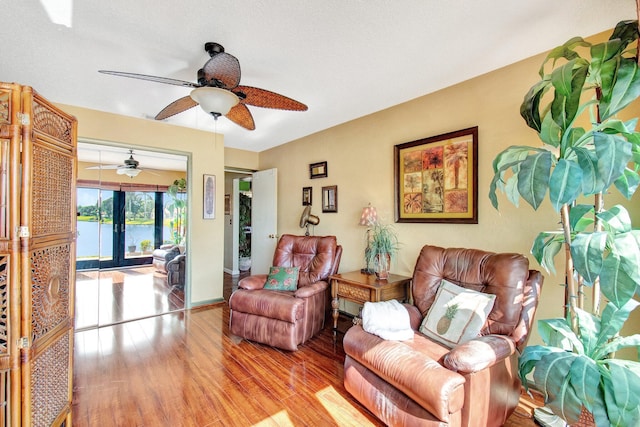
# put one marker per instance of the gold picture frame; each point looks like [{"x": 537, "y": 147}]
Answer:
[{"x": 436, "y": 178}]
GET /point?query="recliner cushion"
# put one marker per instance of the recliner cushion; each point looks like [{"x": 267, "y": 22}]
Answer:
[
  {"x": 281, "y": 305},
  {"x": 501, "y": 274}
]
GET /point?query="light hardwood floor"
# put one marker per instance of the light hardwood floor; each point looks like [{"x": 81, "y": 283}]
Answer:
[{"x": 186, "y": 369}]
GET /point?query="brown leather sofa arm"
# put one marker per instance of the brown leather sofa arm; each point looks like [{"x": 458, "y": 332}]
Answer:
[
  {"x": 312, "y": 289},
  {"x": 415, "y": 318},
  {"x": 256, "y": 281},
  {"x": 479, "y": 353}
]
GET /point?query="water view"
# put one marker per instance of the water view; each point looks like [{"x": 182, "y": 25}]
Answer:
[{"x": 95, "y": 238}]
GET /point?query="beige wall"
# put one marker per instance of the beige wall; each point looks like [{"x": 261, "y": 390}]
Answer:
[
  {"x": 205, "y": 151},
  {"x": 361, "y": 163}
]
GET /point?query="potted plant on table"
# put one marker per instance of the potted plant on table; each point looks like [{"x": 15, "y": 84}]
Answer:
[
  {"x": 383, "y": 247},
  {"x": 576, "y": 369}
]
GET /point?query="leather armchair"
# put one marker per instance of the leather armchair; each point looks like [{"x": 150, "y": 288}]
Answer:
[
  {"x": 422, "y": 382},
  {"x": 163, "y": 255},
  {"x": 286, "y": 319},
  {"x": 176, "y": 271}
]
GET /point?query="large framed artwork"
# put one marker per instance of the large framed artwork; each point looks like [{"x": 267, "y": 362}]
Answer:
[{"x": 436, "y": 178}]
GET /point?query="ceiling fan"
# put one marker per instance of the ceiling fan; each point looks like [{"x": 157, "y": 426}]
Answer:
[
  {"x": 129, "y": 167},
  {"x": 218, "y": 91}
]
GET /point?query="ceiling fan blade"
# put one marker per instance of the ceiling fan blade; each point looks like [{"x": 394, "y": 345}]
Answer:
[
  {"x": 156, "y": 79},
  {"x": 241, "y": 116},
  {"x": 267, "y": 99},
  {"x": 224, "y": 68},
  {"x": 177, "y": 106}
]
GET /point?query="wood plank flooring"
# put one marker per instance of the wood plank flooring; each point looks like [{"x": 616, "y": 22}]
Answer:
[
  {"x": 186, "y": 369},
  {"x": 104, "y": 297}
]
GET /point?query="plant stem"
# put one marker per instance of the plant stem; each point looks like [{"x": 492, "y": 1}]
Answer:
[{"x": 570, "y": 304}]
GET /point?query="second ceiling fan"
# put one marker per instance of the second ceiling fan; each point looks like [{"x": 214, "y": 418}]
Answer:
[{"x": 218, "y": 88}]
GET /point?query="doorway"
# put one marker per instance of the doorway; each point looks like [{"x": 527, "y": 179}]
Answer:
[{"x": 122, "y": 218}]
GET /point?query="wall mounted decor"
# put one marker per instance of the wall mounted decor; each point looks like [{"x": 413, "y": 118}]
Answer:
[
  {"x": 318, "y": 170},
  {"x": 209, "y": 197},
  {"x": 330, "y": 198},
  {"x": 307, "y": 196},
  {"x": 436, "y": 178}
]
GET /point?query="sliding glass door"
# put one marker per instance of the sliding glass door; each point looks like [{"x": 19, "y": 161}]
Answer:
[{"x": 117, "y": 228}]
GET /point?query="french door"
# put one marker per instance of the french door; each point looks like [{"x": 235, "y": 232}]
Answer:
[{"x": 118, "y": 228}]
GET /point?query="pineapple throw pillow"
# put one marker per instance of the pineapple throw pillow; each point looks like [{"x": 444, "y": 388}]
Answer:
[{"x": 457, "y": 315}]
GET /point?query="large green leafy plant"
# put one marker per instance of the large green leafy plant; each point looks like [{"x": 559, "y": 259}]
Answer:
[
  {"x": 586, "y": 151},
  {"x": 178, "y": 209}
]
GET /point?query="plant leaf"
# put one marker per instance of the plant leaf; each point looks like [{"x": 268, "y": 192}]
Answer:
[
  {"x": 530, "y": 356},
  {"x": 621, "y": 391},
  {"x": 545, "y": 248},
  {"x": 591, "y": 184},
  {"x": 565, "y": 183},
  {"x": 611, "y": 322},
  {"x": 617, "y": 219},
  {"x": 613, "y": 154},
  {"x": 552, "y": 374},
  {"x": 585, "y": 379},
  {"x": 619, "y": 343},
  {"x": 589, "y": 328},
  {"x": 587, "y": 252},
  {"x": 558, "y": 333},
  {"x": 627, "y": 183},
  {"x": 533, "y": 178},
  {"x": 615, "y": 283},
  {"x": 577, "y": 219},
  {"x": 626, "y": 31},
  {"x": 626, "y": 88},
  {"x": 550, "y": 131},
  {"x": 529, "y": 109}
]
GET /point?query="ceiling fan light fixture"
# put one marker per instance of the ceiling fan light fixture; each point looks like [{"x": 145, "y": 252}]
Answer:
[
  {"x": 130, "y": 172},
  {"x": 214, "y": 100}
]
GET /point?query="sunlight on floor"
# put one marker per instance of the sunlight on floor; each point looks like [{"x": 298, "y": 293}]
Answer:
[
  {"x": 280, "y": 419},
  {"x": 340, "y": 409}
]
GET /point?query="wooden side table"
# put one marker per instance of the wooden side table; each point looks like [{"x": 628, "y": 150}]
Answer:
[{"x": 360, "y": 288}]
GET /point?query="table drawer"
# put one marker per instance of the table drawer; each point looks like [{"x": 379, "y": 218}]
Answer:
[{"x": 352, "y": 292}]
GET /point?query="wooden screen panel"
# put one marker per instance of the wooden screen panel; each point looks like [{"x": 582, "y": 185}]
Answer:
[
  {"x": 50, "y": 376},
  {"x": 50, "y": 285},
  {"x": 52, "y": 192},
  {"x": 48, "y": 262}
]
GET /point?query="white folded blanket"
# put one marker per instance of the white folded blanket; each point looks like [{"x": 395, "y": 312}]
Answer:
[{"x": 387, "y": 319}]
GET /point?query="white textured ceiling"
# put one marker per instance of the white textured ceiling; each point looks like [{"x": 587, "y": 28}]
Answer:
[{"x": 343, "y": 58}]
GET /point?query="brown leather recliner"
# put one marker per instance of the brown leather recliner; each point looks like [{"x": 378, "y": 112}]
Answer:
[
  {"x": 286, "y": 319},
  {"x": 421, "y": 382}
]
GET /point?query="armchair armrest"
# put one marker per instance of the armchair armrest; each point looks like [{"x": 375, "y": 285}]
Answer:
[
  {"x": 415, "y": 317},
  {"x": 257, "y": 281},
  {"x": 479, "y": 353},
  {"x": 312, "y": 289}
]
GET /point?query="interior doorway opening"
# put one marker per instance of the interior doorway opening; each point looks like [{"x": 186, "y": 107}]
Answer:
[{"x": 123, "y": 217}]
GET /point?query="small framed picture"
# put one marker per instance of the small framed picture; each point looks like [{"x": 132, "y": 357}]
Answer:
[
  {"x": 209, "y": 197},
  {"x": 330, "y": 198},
  {"x": 318, "y": 170},
  {"x": 307, "y": 197}
]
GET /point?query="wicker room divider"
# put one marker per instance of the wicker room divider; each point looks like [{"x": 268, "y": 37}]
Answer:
[{"x": 37, "y": 258}]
